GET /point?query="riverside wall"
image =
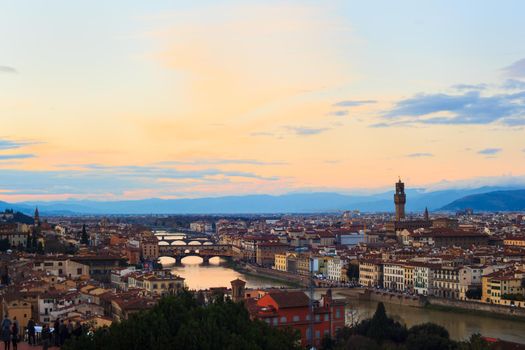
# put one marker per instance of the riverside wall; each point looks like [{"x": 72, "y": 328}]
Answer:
[{"x": 478, "y": 306}]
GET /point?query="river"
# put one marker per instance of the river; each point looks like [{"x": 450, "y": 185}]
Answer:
[{"x": 460, "y": 326}]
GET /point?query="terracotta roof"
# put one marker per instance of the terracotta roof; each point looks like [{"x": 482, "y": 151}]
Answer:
[{"x": 290, "y": 299}]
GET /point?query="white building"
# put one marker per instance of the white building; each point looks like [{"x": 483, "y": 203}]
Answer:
[
  {"x": 335, "y": 268},
  {"x": 394, "y": 276}
]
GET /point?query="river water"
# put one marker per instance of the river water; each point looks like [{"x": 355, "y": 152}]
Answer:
[{"x": 460, "y": 326}]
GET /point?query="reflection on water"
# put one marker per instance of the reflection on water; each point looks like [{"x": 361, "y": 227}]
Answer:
[
  {"x": 460, "y": 326},
  {"x": 215, "y": 274}
]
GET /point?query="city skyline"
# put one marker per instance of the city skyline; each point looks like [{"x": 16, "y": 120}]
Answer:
[{"x": 129, "y": 100}]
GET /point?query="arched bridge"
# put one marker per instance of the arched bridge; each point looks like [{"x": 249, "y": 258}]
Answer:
[
  {"x": 205, "y": 251},
  {"x": 184, "y": 240}
]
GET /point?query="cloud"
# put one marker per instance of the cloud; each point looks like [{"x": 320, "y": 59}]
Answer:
[
  {"x": 339, "y": 113},
  {"x": 467, "y": 108},
  {"x": 517, "y": 69},
  {"x": 469, "y": 86},
  {"x": 513, "y": 84},
  {"x": 102, "y": 181},
  {"x": 419, "y": 155},
  {"x": 219, "y": 161},
  {"x": 305, "y": 131},
  {"x": 7, "y": 69},
  {"x": 16, "y": 156},
  {"x": 490, "y": 151},
  {"x": 353, "y": 103},
  {"x": 8, "y": 144}
]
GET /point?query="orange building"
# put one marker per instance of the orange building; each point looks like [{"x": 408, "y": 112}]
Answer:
[{"x": 292, "y": 309}]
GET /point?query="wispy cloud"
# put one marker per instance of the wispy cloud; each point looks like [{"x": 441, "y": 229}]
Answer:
[
  {"x": 490, "y": 151},
  {"x": 9, "y": 144},
  {"x": 7, "y": 69},
  {"x": 353, "y": 103},
  {"x": 514, "y": 84},
  {"x": 338, "y": 113},
  {"x": 517, "y": 69},
  {"x": 219, "y": 161},
  {"x": 467, "y": 108},
  {"x": 16, "y": 156},
  {"x": 462, "y": 87},
  {"x": 419, "y": 155},
  {"x": 306, "y": 131}
]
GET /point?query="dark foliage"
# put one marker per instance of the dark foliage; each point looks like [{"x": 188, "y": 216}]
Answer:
[{"x": 179, "y": 322}]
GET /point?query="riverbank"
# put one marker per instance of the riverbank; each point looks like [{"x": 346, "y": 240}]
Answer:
[
  {"x": 438, "y": 304},
  {"x": 260, "y": 273}
]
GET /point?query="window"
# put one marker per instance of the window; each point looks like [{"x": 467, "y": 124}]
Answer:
[
  {"x": 337, "y": 313},
  {"x": 326, "y": 317},
  {"x": 79, "y": 271},
  {"x": 317, "y": 334},
  {"x": 275, "y": 321},
  {"x": 283, "y": 319},
  {"x": 296, "y": 318}
]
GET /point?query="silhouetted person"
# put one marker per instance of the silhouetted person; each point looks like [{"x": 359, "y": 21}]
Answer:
[
  {"x": 46, "y": 337},
  {"x": 31, "y": 332},
  {"x": 6, "y": 332},
  {"x": 56, "y": 335},
  {"x": 63, "y": 333},
  {"x": 15, "y": 334},
  {"x": 77, "y": 331}
]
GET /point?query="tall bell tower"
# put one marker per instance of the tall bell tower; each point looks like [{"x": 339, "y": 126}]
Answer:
[{"x": 400, "y": 199}]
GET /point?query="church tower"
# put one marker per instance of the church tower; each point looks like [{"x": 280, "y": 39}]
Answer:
[
  {"x": 400, "y": 199},
  {"x": 427, "y": 218},
  {"x": 37, "y": 218}
]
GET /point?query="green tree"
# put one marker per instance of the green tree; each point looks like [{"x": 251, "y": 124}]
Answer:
[
  {"x": 4, "y": 245},
  {"x": 178, "y": 321},
  {"x": 428, "y": 336},
  {"x": 352, "y": 272},
  {"x": 84, "y": 239}
]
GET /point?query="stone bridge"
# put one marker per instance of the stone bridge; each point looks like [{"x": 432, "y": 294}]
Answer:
[
  {"x": 184, "y": 240},
  {"x": 205, "y": 251}
]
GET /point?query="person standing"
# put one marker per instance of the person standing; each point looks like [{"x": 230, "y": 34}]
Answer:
[
  {"x": 31, "y": 331},
  {"x": 56, "y": 332},
  {"x": 46, "y": 337},
  {"x": 15, "y": 334},
  {"x": 6, "y": 332}
]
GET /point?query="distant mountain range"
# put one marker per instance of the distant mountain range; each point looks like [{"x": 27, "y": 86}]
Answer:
[
  {"x": 417, "y": 200},
  {"x": 513, "y": 200}
]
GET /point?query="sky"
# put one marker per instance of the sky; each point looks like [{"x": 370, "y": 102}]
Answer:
[{"x": 130, "y": 99}]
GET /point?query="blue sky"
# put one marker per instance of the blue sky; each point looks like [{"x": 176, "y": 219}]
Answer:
[{"x": 137, "y": 99}]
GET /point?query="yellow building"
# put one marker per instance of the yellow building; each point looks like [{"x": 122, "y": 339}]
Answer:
[
  {"x": 504, "y": 287},
  {"x": 281, "y": 262},
  {"x": 17, "y": 308},
  {"x": 515, "y": 241},
  {"x": 370, "y": 272}
]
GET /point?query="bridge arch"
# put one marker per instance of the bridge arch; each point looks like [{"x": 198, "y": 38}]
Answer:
[{"x": 178, "y": 242}]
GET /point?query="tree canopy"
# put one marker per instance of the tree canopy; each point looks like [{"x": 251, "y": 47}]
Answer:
[{"x": 181, "y": 322}]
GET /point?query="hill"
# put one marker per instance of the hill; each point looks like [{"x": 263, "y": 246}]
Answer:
[{"x": 513, "y": 200}]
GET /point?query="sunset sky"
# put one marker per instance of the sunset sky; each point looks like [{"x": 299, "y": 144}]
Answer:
[{"x": 138, "y": 99}]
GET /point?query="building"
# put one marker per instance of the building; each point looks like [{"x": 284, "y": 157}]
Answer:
[
  {"x": 291, "y": 309},
  {"x": 265, "y": 252},
  {"x": 450, "y": 237},
  {"x": 446, "y": 282},
  {"x": 423, "y": 278},
  {"x": 150, "y": 248},
  {"x": 394, "y": 276},
  {"x": 335, "y": 269},
  {"x": 516, "y": 241},
  {"x": 61, "y": 266},
  {"x": 504, "y": 287},
  {"x": 238, "y": 290},
  {"x": 399, "y": 200},
  {"x": 371, "y": 272}
]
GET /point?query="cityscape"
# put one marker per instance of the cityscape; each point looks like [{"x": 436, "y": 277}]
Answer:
[{"x": 262, "y": 175}]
